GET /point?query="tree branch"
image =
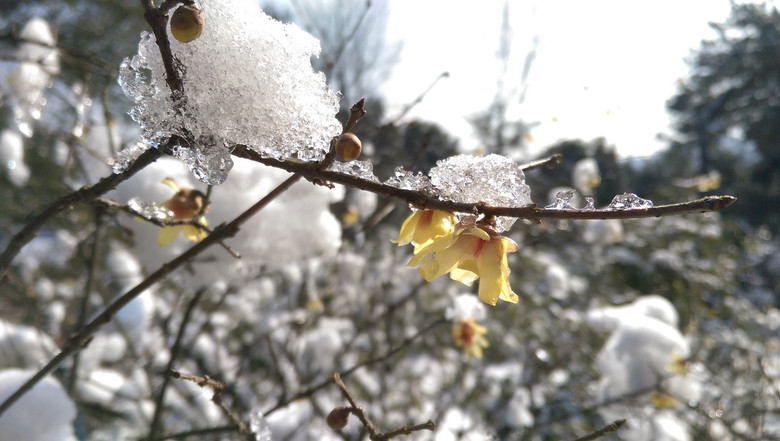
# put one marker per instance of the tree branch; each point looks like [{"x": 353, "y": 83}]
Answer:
[
  {"x": 82, "y": 338},
  {"x": 609, "y": 428},
  {"x": 106, "y": 184},
  {"x": 217, "y": 387},
  {"x": 358, "y": 411},
  {"x": 530, "y": 212},
  {"x": 158, "y": 404}
]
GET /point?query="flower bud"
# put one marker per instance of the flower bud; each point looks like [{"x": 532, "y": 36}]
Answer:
[
  {"x": 337, "y": 418},
  {"x": 187, "y": 23},
  {"x": 348, "y": 147}
]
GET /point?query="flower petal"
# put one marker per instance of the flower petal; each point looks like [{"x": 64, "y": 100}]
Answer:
[
  {"x": 193, "y": 233},
  {"x": 407, "y": 228},
  {"x": 168, "y": 234},
  {"x": 445, "y": 260}
]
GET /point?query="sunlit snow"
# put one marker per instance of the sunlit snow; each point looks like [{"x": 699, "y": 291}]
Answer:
[{"x": 247, "y": 80}]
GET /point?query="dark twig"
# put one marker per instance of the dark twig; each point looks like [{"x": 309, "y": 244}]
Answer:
[
  {"x": 530, "y": 212},
  {"x": 81, "y": 339},
  {"x": 158, "y": 404},
  {"x": 197, "y": 433},
  {"x": 109, "y": 203},
  {"x": 549, "y": 162},
  {"x": 311, "y": 390},
  {"x": 355, "y": 113},
  {"x": 217, "y": 387},
  {"x": 27, "y": 233},
  {"x": 373, "y": 434},
  {"x": 609, "y": 428},
  {"x": 158, "y": 20},
  {"x": 83, "y": 311},
  {"x": 419, "y": 98}
]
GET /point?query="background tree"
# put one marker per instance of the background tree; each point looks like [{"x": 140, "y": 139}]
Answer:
[{"x": 727, "y": 112}]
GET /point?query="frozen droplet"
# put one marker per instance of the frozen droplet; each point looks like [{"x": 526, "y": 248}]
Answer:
[
  {"x": 494, "y": 180},
  {"x": 127, "y": 156},
  {"x": 149, "y": 210},
  {"x": 563, "y": 200},
  {"x": 629, "y": 201},
  {"x": 259, "y": 426},
  {"x": 359, "y": 169},
  {"x": 590, "y": 203},
  {"x": 406, "y": 180}
]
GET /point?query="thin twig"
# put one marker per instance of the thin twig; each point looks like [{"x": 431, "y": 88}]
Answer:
[
  {"x": 609, "y": 428},
  {"x": 373, "y": 434},
  {"x": 197, "y": 433},
  {"x": 419, "y": 98},
  {"x": 549, "y": 162},
  {"x": 356, "y": 366},
  {"x": 81, "y": 339},
  {"x": 83, "y": 313},
  {"x": 106, "y": 184},
  {"x": 158, "y": 404},
  {"x": 158, "y": 20},
  {"x": 217, "y": 387},
  {"x": 110, "y": 203},
  {"x": 530, "y": 212}
]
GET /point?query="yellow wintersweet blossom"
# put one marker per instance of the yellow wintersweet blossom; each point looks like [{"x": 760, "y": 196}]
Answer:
[
  {"x": 186, "y": 204},
  {"x": 467, "y": 254},
  {"x": 471, "y": 336},
  {"x": 424, "y": 227}
]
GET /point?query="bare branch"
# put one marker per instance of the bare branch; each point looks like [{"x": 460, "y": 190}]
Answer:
[
  {"x": 106, "y": 184},
  {"x": 82, "y": 338},
  {"x": 217, "y": 387},
  {"x": 311, "y": 390},
  {"x": 549, "y": 162},
  {"x": 109, "y": 203},
  {"x": 158, "y": 404},
  {"x": 530, "y": 212},
  {"x": 373, "y": 434},
  {"x": 609, "y": 428}
]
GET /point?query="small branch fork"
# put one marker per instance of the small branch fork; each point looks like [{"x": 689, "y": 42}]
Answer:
[
  {"x": 357, "y": 410},
  {"x": 598, "y": 433},
  {"x": 217, "y": 387}
]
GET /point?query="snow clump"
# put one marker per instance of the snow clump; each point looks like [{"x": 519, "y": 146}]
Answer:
[
  {"x": 45, "y": 413},
  {"x": 492, "y": 179},
  {"x": 247, "y": 80}
]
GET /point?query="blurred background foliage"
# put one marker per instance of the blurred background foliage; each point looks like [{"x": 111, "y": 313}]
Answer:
[{"x": 721, "y": 271}]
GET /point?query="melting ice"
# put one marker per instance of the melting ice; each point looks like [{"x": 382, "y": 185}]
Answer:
[
  {"x": 629, "y": 201},
  {"x": 563, "y": 200}
]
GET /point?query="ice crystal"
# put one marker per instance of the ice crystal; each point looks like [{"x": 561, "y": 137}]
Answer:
[
  {"x": 492, "y": 179},
  {"x": 359, "y": 169},
  {"x": 149, "y": 210},
  {"x": 127, "y": 156},
  {"x": 629, "y": 201},
  {"x": 247, "y": 80},
  {"x": 563, "y": 200},
  {"x": 407, "y": 180}
]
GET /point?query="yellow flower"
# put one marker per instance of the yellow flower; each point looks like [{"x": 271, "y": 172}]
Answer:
[
  {"x": 186, "y": 204},
  {"x": 425, "y": 226},
  {"x": 467, "y": 254},
  {"x": 471, "y": 336}
]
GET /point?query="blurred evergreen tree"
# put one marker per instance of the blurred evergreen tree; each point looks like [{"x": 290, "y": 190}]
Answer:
[{"x": 728, "y": 113}]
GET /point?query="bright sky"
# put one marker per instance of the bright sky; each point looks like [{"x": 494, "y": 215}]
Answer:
[{"x": 602, "y": 68}]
